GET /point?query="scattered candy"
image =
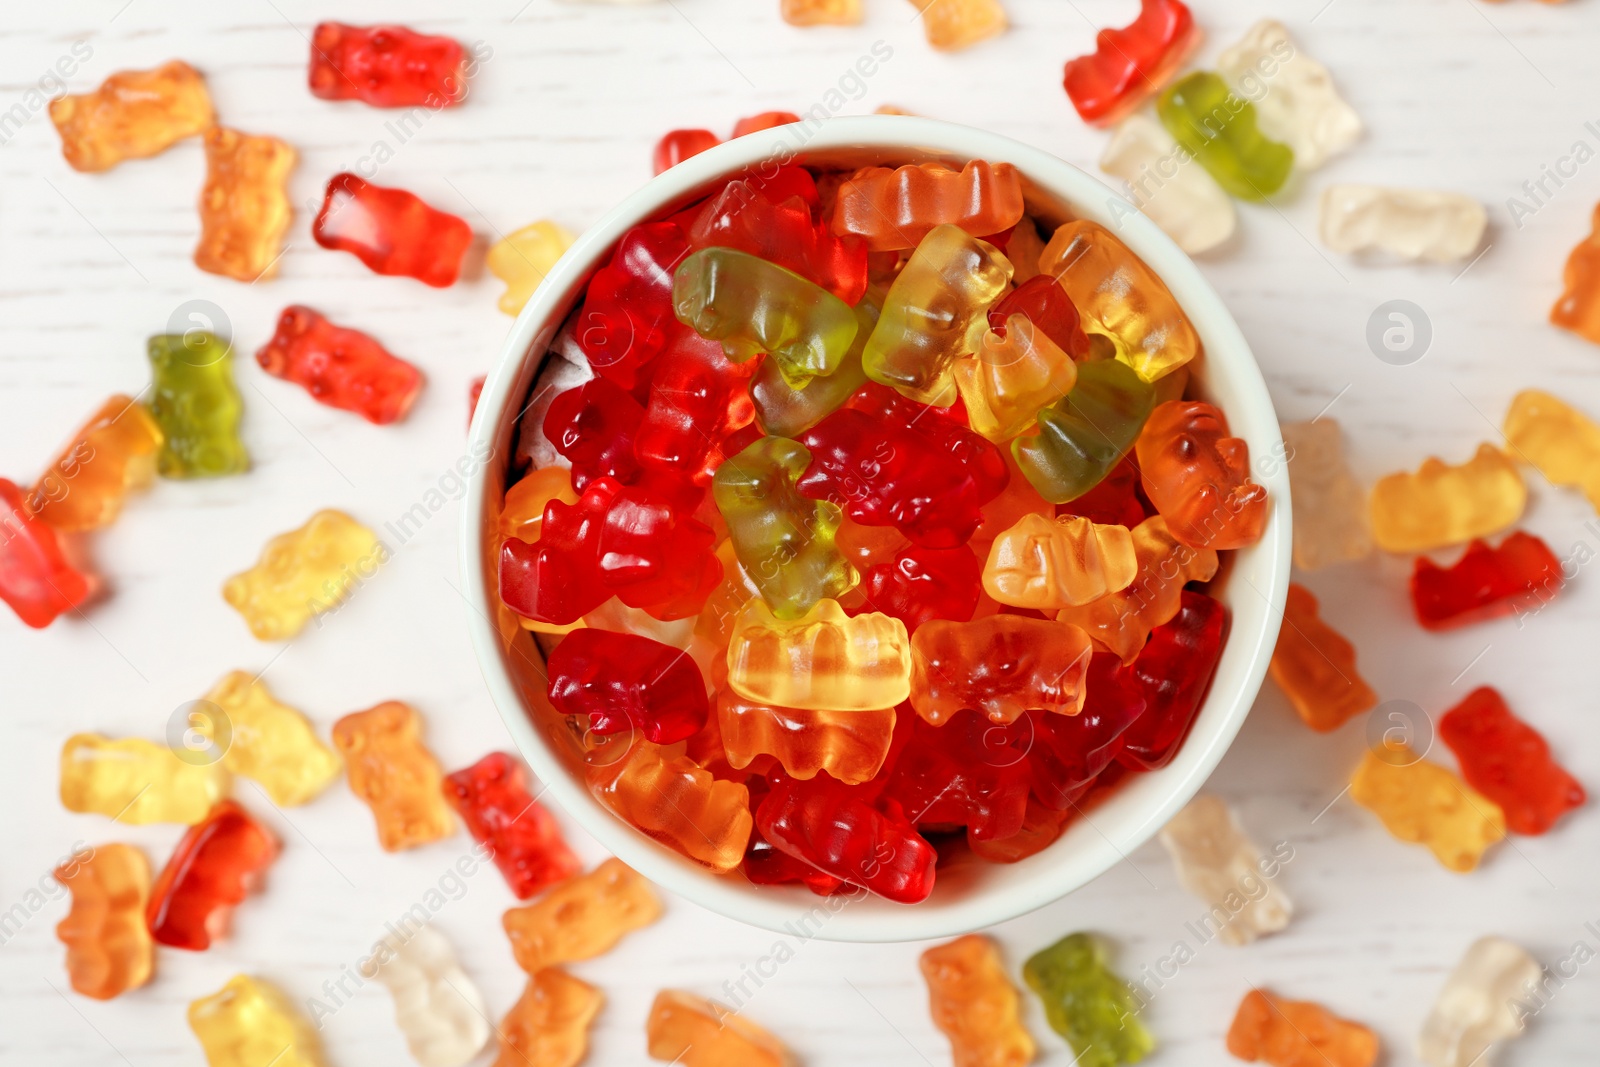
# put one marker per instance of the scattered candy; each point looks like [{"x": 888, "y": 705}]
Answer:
[
  {"x": 1198, "y": 477},
  {"x": 437, "y": 1007},
  {"x": 1578, "y": 309},
  {"x": 135, "y": 781},
  {"x": 974, "y": 1004},
  {"x": 1188, "y": 204},
  {"x": 1131, "y": 64},
  {"x": 1298, "y": 1033},
  {"x": 1330, "y": 515},
  {"x": 267, "y": 741},
  {"x": 1424, "y": 803},
  {"x": 896, "y": 209},
  {"x": 523, "y": 258},
  {"x": 675, "y": 801},
  {"x": 678, "y": 145},
  {"x": 216, "y": 865},
  {"x": 951, "y": 25},
  {"x": 696, "y": 1032},
  {"x": 1086, "y": 1003},
  {"x": 1217, "y": 863},
  {"x": 386, "y": 66},
  {"x": 340, "y": 367},
  {"x": 391, "y": 231},
  {"x": 1562, "y": 442},
  {"x": 194, "y": 401},
  {"x": 109, "y": 950},
  {"x": 492, "y": 798},
  {"x": 248, "y": 1023},
  {"x": 581, "y": 918},
  {"x": 1481, "y": 1004},
  {"x": 1315, "y": 666},
  {"x": 1244, "y": 161},
  {"x": 133, "y": 114},
  {"x": 37, "y": 580},
  {"x": 394, "y": 774},
  {"x": 1441, "y": 505},
  {"x": 304, "y": 573},
  {"x": 821, "y": 12},
  {"x": 1409, "y": 223},
  {"x": 1509, "y": 762},
  {"x": 244, "y": 204},
  {"x": 1294, "y": 95},
  {"x": 1485, "y": 582},
  {"x": 83, "y": 489},
  {"x": 548, "y": 1026}
]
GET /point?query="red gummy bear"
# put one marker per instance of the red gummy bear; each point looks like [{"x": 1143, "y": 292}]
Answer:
[
  {"x": 627, "y": 309},
  {"x": 491, "y": 796},
  {"x": 628, "y": 682},
  {"x": 1173, "y": 671},
  {"x": 386, "y": 66},
  {"x": 35, "y": 577},
  {"x": 697, "y": 398},
  {"x": 1049, "y": 308},
  {"x": 1116, "y": 500},
  {"x": 1071, "y": 751},
  {"x": 1485, "y": 582},
  {"x": 391, "y": 231},
  {"x": 213, "y": 868},
  {"x": 835, "y": 828},
  {"x": 922, "y": 584},
  {"x": 1508, "y": 761},
  {"x": 678, "y": 145},
  {"x": 340, "y": 367},
  {"x": 593, "y": 427},
  {"x": 765, "y": 865},
  {"x": 765, "y": 121},
  {"x": 967, "y": 772},
  {"x": 889, "y": 461},
  {"x": 1131, "y": 64}
]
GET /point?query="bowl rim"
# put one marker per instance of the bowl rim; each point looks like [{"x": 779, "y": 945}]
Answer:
[{"x": 779, "y": 908}]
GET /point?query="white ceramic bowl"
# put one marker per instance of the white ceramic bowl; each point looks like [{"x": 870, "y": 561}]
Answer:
[{"x": 967, "y": 896}]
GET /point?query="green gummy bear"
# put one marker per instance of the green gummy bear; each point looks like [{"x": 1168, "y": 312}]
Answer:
[
  {"x": 193, "y": 399},
  {"x": 753, "y": 306},
  {"x": 784, "y": 542},
  {"x": 1087, "y": 1004},
  {"x": 1219, "y": 128},
  {"x": 1087, "y": 432},
  {"x": 785, "y": 411}
]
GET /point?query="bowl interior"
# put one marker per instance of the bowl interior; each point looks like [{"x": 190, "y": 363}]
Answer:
[{"x": 968, "y": 895}]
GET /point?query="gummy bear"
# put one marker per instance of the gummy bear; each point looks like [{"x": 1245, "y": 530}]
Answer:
[
  {"x": 1190, "y": 207},
  {"x": 1298, "y": 1033},
  {"x": 386, "y": 66},
  {"x": 678, "y": 145},
  {"x": 1423, "y": 802},
  {"x": 1050, "y": 564},
  {"x": 1130, "y": 64},
  {"x": 194, "y": 401},
  {"x": 1087, "y": 433},
  {"x": 216, "y": 865},
  {"x": 523, "y": 257},
  {"x": 135, "y": 781},
  {"x": 696, "y": 1032},
  {"x": 581, "y": 918},
  {"x": 394, "y": 774},
  {"x": 36, "y": 579},
  {"x": 133, "y": 114},
  {"x": 304, "y": 573},
  {"x": 391, "y": 231},
  {"x": 1173, "y": 671},
  {"x": 1316, "y": 666},
  {"x": 592, "y": 427},
  {"x": 951, "y": 25},
  {"x": 825, "y": 660},
  {"x": 491, "y": 796},
  {"x": 1485, "y": 582},
  {"x": 699, "y": 409},
  {"x": 784, "y": 411},
  {"x": 113, "y": 452},
  {"x": 436, "y": 1006},
  {"x": 267, "y": 741},
  {"x": 1330, "y": 515},
  {"x": 896, "y": 209},
  {"x": 1071, "y": 751},
  {"x": 1481, "y": 1004},
  {"x": 1217, "y": 863},
  {"x": 965, "y": 771},
  {"x": 1509, "y": 762},
  {"x": 1441, "y": 505},
  {"x": 1411, "y": 224},
  {"x": 1245, "y": 162},
  {"x": 672, "y": 799},
  {"x": 1559, "y": 440},
  {"x": 1014, "y": 375},
  {"x": 749, "y": 216},
  {"x": 628, "y": 306},
  {"x": 247, "y": 1023},
  {"x": 850, "y": 745},
  {"x": 624, "y": 683},
  {"x": 821, "y": 12},
  {"x": 1086, "y": 1003},
  {"x": 548, "y": 1026},
  {"x": 1198, "y": 477},
  {"x": 109, "y": 950},
  {"x": 244, "y": 204},
  {"x": 1001, "y": 666},
  {"x": 923, "y": 584},
  {"x": 1294, "y": 95},
  {"x": 340, "y": 367},
  {"x": 1043, "y": 303},
  {"x": 1117, "y": 500},
  {"x": 1578, "y": 309},
  {"x": 974, "y": 1004}
]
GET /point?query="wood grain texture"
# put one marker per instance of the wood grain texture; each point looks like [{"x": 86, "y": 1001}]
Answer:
[{"x": 1456, "y": 94}]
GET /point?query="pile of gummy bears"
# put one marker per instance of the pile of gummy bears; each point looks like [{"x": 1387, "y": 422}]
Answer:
[{"x": 869, "y": 529}]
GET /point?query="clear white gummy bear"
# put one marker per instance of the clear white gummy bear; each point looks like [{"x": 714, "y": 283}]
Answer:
[
  {"x": 1167, "y": 184},
  {"x": 1479, "y": 1004},
  {"x": 437, "y": 1007},
  {"x": 1294, "y": 95},
  {"x": 1218, "y": 864},
  {"x": 1409, "y": 223}
]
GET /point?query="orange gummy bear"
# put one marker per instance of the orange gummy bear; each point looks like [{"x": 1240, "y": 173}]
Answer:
[
  {"x": 133, "y": 114},
  {"x": 675, "y": 801},
  {"x": 1052, "y": 563},
  {"x": 393, "y": 772},
  {"x": 1578, "y": 309},
  {"x": 849, "y": 745},
  {"x": 974, "y": 1005},
  {"x": 696, "y": 1032},
  {"x": 999, "y": 666},
  {"x": 1316, "y": 667},
  {"x": 1198, "y": 477},
  {"x": 895, "y": 209},
  {"x": 548, "y": 1026},
  {"x": 821, "y": 12},
  {"x": 111, "y": 453},
  {"x": 951, "y": 25},
  {"x": 581, "y": 918},
  {"x": 109, "y": 950},
  {"x": 1298, "y": 1033},
  {"x": 244, "y": 205}
]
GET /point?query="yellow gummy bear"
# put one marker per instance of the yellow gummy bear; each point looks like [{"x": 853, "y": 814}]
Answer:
[
  {"x": 268, "y": 741},
  {"x": 248, "y": 1023},
  {"x": 1556, "y": 438},
  {"x": 1012, "y": 378},
  {"x": 1050, "y": 564},
  {"x": 136, "y": 781},
  {"x": 1425, "y": 803},
  {"x": 1441, "y": 505},
  {"x": 522, "y": 260},
  {"x": 823, "y": 661},
  {"x": 304, "y": 573}
]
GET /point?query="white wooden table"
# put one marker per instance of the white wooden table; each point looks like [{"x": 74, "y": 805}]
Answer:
[{"x": 1457, "y": 94}]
